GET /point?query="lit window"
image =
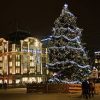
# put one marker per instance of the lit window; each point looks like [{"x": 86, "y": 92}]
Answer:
[
  {"x": 38, "y": 59},
  {"x": 38, "y": 68},
  {"x": 1, "y": 48},
  {"x": 10, "y": 81},
  {"x": 5, "y": 58},
  {"x": 13, "y": 47},
  {"x": 17, "y": 70},
  {"x": 96, "y": 61},
  {"x": 17, "y": 81},
  {"x": 10, "y": 64},
  {"x": 17, "y": 48},
  {"x": 5, "y": 47},
  {"x": 36, "y": 43},
  {"x": 1, "y": 72},
  {"x": 25, "y": 79},
  {"x": 10, "y": 71},
  {"x": 31, "y": 63},
  {"x": 39, "y": 79},
  {"x": 1, "y": 81},
  {"x": 32, "y": 70},
  {"x": 32, "y": 79},
  {"x": 17, "y": 63},
  {"x": 5, "y": 81},
  {"x": 31, "y": 57},
  {"x": 25, "y": 70},
  {"x": 10, "y": 56},
  {"x": 0, "y": 58},
  {"x": 18, "y": 57}
]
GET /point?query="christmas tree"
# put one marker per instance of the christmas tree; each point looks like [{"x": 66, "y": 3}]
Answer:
[{"x": 67, "y": 55}]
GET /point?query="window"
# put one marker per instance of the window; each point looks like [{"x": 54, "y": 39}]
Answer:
[
  {"x": 1, "y": 81},
  {"x": 31, "y": 63},
  {"x": 17, "y": 81},
  {"x": 32, "y": 70},
  {"x": 1, "y": 48},
  {"x": 38, "y": 59},
  {"x": 10, "y": 81},
  {"x": 17, "y": 70},
  {"x": 10, "y": 71},
  {"x": 38, "y": 68},
  {"x": 17, "y": 63},
  {"x": 13, "y": 47},
  {"x": 25, "y": 70},
  {"x": 31, "y": 58},
  {"x": 5, "y": 47},
  {"x": 18, "y": 48},
  {"x": 10, "y": 56},
  {"x": 1, "y": 72},
  {"x": 17, "y": 57},
  {"x": 10, "y": 64},
  {"x": 25, "y": 79},
  {"x": 0, "y": 58}
]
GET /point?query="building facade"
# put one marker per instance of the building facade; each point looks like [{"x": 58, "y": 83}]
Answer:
[
  {"x": 22, "y": 62},
  {"x": 97, "y": 61}
]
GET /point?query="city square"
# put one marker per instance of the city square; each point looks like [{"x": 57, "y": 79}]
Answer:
[
  {"x": 20, "y": 94},
  {"x": 43, "y": 62}
]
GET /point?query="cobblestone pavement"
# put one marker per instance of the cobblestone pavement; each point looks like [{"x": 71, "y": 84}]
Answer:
[{"x": 20, "y": 94}]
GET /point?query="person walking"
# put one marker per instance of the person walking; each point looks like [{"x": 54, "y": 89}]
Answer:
[
  {"x": 92, "y": 89},
  {"x": 5, "y": 85},
  {"x": 85, "y": 89}
]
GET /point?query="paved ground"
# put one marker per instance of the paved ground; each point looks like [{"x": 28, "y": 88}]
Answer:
[{"x": 20, "y": 94}]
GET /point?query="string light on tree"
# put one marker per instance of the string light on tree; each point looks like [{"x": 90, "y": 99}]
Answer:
[{"x": 67, "y": 56}]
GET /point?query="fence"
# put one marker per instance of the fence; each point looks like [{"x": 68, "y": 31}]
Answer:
[
  {"x": 74, "y": 88},
  {"x": 36, "y": 88},
  {"x": 58, "y": 88}
]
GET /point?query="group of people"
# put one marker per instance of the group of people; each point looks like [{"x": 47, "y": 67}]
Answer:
[
  {"x": 4, "y": 85},
  {"x": 88, "y": 89}
]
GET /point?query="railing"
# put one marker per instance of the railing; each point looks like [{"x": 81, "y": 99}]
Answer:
[
  {"x": 36, "y": 87},
  {"x": 58, "y": 88}
]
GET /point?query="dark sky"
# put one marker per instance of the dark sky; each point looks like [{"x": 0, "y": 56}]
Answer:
[{"x": 38, "y": 16}]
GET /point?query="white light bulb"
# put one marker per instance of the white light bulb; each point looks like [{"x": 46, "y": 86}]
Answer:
[{"x": 65, "y": 6}]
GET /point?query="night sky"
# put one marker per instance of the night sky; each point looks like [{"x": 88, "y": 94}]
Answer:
[{"x": 38, "y": 16}]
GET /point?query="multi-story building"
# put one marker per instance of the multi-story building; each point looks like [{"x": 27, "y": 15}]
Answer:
[
  {"x": 22, "y": 61},
  {"x": 97, "y": 62}
]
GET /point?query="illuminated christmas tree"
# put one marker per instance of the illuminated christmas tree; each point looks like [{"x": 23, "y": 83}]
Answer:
[{"x": 67, "y": 55}]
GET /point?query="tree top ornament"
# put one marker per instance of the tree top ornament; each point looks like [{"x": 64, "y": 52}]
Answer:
[{"x": 65, "y": 6}]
